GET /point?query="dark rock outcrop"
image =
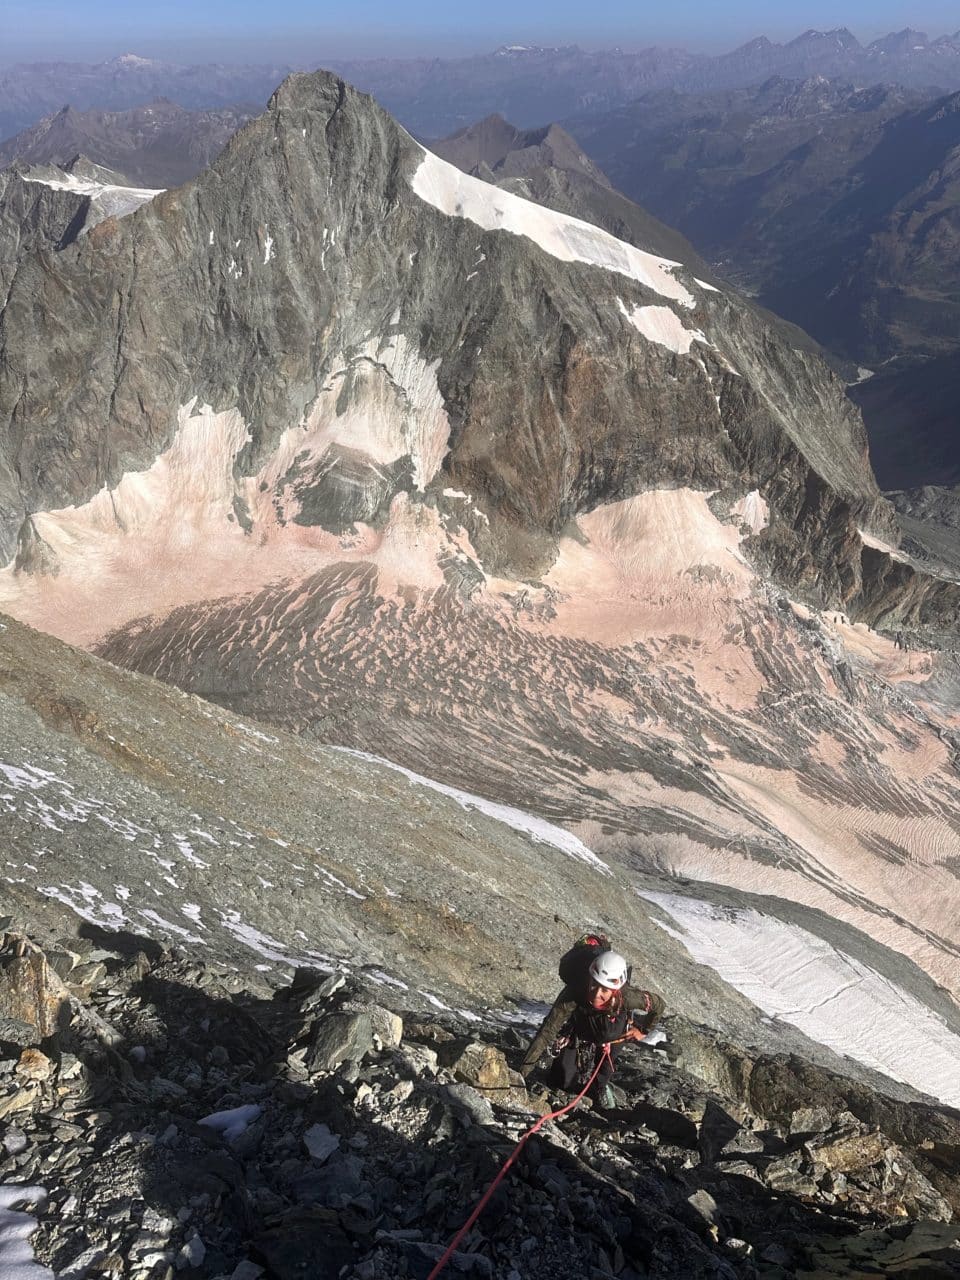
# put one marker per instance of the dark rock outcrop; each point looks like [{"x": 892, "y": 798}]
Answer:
[{"x": 212, "y": 1148}]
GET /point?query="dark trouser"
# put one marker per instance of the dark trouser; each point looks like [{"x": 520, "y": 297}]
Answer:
[{"x": 568, "y": 1074}]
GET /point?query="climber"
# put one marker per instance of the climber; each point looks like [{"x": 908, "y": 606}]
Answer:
[{"x": 594, "y": 1008}]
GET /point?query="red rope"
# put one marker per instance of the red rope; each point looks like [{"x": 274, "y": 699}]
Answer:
[{"x": 553, "y": 1115}]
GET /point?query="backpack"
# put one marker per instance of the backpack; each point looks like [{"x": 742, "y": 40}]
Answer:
[{"x": 575, "y": 964}]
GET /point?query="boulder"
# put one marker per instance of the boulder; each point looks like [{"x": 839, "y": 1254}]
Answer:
[
  {"x": 387, "y": 1025},
  {"x": 787, "y": 1175},
  {"x": 808, "y": 1120},
  {"x": 34, "y": 1065},
  {"x": 467, "y": 1101},
  {"x": 703, "y": 1208},
  {"x": 13, "y": 1032},
  {"x": 848, "y": 1152},
  {"x": 21, "y": 1100},
  {"x": 483, "y": 1066},
  {"x": 417, "y": 1060},
  {"x": 320, "y": 1142},
  {"x": 31, "y": 993},
  {"x": 341, "y": 1037},
  {"x": 306, "y": 1244}
]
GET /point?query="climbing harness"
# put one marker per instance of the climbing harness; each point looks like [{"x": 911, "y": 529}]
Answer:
[{"x": 553, "y": 1115}]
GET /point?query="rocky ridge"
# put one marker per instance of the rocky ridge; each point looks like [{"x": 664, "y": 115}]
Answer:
[
  {"x": 306, "y": 1127},
  {"x": 835, "y": 204}
]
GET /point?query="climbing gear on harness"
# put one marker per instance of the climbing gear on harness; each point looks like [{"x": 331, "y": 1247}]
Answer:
[{"x": 534, "y": 1128}]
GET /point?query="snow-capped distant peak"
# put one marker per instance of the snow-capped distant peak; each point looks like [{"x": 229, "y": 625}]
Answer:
[{"x": 133, "y": 60}]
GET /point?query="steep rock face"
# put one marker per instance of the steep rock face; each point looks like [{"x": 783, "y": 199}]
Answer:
[{"x": 194, "y": 298}]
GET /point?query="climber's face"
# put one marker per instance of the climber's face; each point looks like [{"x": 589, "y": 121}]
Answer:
[{"x": 599, "y": 997}]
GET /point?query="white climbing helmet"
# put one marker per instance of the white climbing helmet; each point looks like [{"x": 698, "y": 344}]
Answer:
[{"x": 609, "y": 969}]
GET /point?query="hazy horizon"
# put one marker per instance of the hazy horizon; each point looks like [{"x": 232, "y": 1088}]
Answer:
[{"x": 237, "y": 33}]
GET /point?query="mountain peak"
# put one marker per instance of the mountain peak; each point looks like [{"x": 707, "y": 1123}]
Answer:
[
  {"x": 760, "y": 44},
  {"x": 132, "y": 60},
  {"x": 842, "y": 36}
]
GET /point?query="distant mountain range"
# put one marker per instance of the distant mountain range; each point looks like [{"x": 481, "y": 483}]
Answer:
[
  {"x": 528, "y": 84},
  {"x": 160, "y": 144},
  {"x": 838, "y": 208}
]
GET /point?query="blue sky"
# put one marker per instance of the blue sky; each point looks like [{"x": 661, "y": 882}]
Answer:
[{"x": 305, "y": 33}]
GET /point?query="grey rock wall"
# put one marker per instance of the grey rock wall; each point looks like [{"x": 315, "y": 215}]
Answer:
[{"x": 541, "y": 376}]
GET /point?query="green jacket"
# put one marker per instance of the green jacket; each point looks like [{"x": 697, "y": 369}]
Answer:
[{"x": 564, "y": 1007}]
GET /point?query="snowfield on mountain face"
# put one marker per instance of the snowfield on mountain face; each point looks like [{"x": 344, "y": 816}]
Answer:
[
  {"x": 663, "y": 326},
  {"x": 832, "y": 997},
  {"x": 657, "y": 564},
  {"x": 753, "y": 511},
  {"x": 110, "y": 201},
  {"x": 169, "y": 535},
  {"x": 878, "y": 544},
  {"x": 569, "y": 239},
  {"x": 384, "y": 402}
]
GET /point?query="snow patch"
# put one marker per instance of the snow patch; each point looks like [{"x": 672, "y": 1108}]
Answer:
[
  {"x": 232, "y": 1124},
  {"x": 538, "y": 829},
  {"x": 752, "y": 510},
  {"x": 166, "y": 926},
  {"x": 663, "y": 326},
  {"x": 259, "y": 942},
  {"x": 106, "y": 199},
  {"x": 830, "y": 996},
  {"x": 878, "y": 544},
  {"x": 86, "y": 902},
  {"x": 16, "y": 1253},
  {"x": 648, "y": 540},
  {"x": 384, "y": 402},
  {"x": 386, "y": 980},
  {"x": 568, "y": 239},
  {"x": 437, "y": 1004}
]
